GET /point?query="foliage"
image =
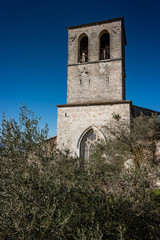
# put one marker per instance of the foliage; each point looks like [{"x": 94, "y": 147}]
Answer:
[
  {"x": 50, "y": 196},
  {"x": 136, "y": 140}
]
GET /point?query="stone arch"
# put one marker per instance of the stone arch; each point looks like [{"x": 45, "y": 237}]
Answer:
[
  {"x": 104, "y": 45},
  {"x": 83, "y": 48},
  {"x": 88, "y": 140}
]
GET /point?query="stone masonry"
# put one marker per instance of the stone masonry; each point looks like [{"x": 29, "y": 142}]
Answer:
[
  {"x": 95, "y": 87},
  {"x": 74, "y": 121},
  {"x": 97, "y": 80}
]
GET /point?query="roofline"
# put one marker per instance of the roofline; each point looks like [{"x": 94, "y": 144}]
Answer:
[
  {"x": 104, "y": 103},
  {"x": 96, "y": 23},
  {"x": 94, "y": 104},
  {"x": 147, "y": 109},
  {"x": 51, "y": 138},
  {"x": 99, "y": 23}
]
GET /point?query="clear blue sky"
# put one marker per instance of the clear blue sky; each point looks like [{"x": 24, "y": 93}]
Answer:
[{"x": 33, "y": 51}]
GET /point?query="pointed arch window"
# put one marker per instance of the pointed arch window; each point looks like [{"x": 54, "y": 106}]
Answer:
[
  {"x": 104, "y": 45},
  {"x": 88, "y": 144},
  {"x": 83, "y": 49}
]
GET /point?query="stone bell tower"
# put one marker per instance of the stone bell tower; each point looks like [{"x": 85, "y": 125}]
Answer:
[
  {"x": 96, "y": 62},
  {"x": 95, "y": 86}
]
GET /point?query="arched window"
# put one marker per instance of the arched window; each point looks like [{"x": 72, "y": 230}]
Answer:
[
  {"x": 104, "y": 46},
  {"x": 88, "y": 144},
  {"x": 83, "y": 49}
]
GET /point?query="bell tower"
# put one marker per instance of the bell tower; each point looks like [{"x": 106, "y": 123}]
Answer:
[
  {"x": 96, "y": 62},
  {"x": 95, "y": 86}
]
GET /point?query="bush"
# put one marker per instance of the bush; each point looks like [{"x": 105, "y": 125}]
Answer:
[{"x": 50, "y": 196}]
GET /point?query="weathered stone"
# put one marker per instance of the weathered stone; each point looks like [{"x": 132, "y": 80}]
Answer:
[
  {"x": 73, "y": 121},
  {"x": 157, "y": 151},
  {"x": 95, "y": 88},
  {"x": 96, "y": 80}
]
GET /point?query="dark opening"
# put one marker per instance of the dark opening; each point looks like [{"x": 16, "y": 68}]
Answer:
[
  {"x": 105, "y": 46},
  {"x": 83, "y": 54}
]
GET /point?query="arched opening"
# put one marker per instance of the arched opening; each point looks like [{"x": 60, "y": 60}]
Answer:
[
  {"x": 83, "y": 49},
  {"x": 104, "y": 46},
  {"x": 88, "y": 143}
]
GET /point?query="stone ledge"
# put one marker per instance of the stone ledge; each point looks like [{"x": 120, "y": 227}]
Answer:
[
  {"x": 98, "y": 61},
  {"x": 94, "y": 103}
]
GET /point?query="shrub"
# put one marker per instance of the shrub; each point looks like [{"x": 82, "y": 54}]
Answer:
[{"x": 48, "y": 196}]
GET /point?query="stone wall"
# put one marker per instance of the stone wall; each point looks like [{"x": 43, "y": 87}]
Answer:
[
  {"x": 98, "y": 80},
  {"x": 95, "y": 82},
  {"x": 137, "y": 111},
  {"x": 157, "y": 151},
  {"x": 74, "y": 120},
  {"x": 93, "y": 32}
]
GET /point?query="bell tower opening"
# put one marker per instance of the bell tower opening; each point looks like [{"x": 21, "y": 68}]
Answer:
[
  {"x": 104, "y": 46},
  {"x": 83, "y": 49}
]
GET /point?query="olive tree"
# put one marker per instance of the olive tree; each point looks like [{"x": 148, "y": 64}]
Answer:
[{"x": 46, "y": 195}]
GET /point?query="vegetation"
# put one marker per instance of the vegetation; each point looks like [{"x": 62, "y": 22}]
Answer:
[{"x": 50, "y": 196}]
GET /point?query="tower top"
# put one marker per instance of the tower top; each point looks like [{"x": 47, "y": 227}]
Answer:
[{"x": 121, "y": 19}]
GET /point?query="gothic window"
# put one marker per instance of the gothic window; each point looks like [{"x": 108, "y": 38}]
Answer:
[
  {"x": 88, "y": 143},
  {"x": 104, "y": 46},
  {"x": 83, "y": 49}
]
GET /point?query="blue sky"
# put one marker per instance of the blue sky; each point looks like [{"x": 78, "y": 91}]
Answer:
[{"x": 33, "y": 51}]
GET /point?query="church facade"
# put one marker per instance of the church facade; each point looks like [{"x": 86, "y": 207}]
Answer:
[{"x": 95, "y": 86}]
